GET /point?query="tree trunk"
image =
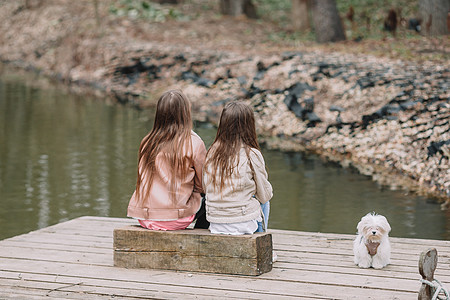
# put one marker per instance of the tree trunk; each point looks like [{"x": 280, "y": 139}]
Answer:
[
  {"x": 30, "y": 4},
  {"x": 300, "y": 19},
  {"x": 327, "y": 23},
  {"x": 434, "y": 14},
  {"x": 232, "y": 7},
  {"x": 238, "y": 7},
  {"x": 97, "y": 15}
]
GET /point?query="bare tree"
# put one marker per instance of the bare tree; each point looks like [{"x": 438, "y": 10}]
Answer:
[
  {"x": 434, "y": 14},
  {"x": 30, "y": 4},
  {"x": 299, "y": 15},
  {"x": 327, "y": 23},
  {"x": 238, "y": 7},
  {"x": 97, "y": 15}
]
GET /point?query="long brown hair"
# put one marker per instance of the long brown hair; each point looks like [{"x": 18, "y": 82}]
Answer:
[
  {"x": 236, "y": 130},
  {"x": 171, "y": 135}
]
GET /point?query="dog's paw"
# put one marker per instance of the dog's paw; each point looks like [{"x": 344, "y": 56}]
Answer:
[
  {"x": 364, "y": 265},
  {"x": 380, "y": 261},
  {"x": 378, "y": 265}
]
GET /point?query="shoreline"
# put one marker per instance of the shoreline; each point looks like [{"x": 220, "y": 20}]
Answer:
[{"x": 389, "y": 119}]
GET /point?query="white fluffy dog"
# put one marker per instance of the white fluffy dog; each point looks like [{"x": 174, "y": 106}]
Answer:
[{"x": 371, "y": 246}]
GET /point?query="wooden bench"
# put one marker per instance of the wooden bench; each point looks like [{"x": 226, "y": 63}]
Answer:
[{"x": 194, "y": 250}]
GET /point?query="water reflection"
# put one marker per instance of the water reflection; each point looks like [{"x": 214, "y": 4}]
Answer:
[
  {"x": 315, "y": 196},
  {"x": 64, "y": 156}
]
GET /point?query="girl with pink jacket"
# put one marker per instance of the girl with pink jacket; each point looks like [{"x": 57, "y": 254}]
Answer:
[{"x": 171, "y": 157}]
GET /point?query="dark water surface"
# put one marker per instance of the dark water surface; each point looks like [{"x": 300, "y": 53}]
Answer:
[{"x": 64, "y": 156}]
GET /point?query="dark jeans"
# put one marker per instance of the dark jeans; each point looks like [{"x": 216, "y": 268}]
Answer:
[{"x": 200, "y": 216}]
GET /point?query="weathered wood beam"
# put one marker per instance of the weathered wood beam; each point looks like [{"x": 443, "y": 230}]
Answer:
[{"x": 192, "y": 250}]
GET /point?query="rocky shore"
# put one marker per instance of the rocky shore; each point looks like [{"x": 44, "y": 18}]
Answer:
[{"x": 390, "y": 119}]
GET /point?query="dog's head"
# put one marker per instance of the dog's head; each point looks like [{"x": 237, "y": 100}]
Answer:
[{"x": 373, "y": 227}]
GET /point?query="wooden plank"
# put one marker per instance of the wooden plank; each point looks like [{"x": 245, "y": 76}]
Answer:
[
  {"x": 56, "y": 255},
  {"x": 78, "y": 237},
  {"x": 442, "y": 273},
  {"x": 304, "y": 276},
  {"x": 386, "y": 274},
  {"x": 254, "y": 287},
  {"x": 285, "y": 256},
  {"x": 53, "y": 236},
  {"x": 106, "y": 259},
  {"x": 346, "y": 267},
  {"x": 288, "y": 235},
  {"x": 7, "y": 292},
  {"x": 61, "y": 239},
  {"x": 332, "y": 258},
  {"x": 289, "y": 253},
  {"x": 327, "y": 238},
  {"x": 20, "y": 292},
  {"x": 91, "y": 291},
  {"x": 123, "y": 288},
  {"x": 307, "y": 263},
  {"x": 279, "y": 233},
  {"x": 109, "y": 220},
  {"x": 89, "y": 227},
  {"x": 98, "y": 224},
  {"x": 291, "y": 250},
  {"x": 45, "y": 288},
  {"x": 310, "y": 244},
  {"x": 192, "y": 250},
  {"x": 309, "y": 266},
  {"x": 81, "y": 232},
  {"x": 396, "y": 257},
  {"x": 52, "y": 246}
]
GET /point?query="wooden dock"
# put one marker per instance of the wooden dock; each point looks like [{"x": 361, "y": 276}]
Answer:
[{"x": 74, "y": 260}]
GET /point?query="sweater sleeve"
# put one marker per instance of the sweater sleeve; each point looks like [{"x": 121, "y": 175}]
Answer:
[{"x": 264, "y": 190}]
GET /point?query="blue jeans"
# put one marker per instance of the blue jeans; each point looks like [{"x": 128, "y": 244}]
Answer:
[{"x": 266, "y": 210}]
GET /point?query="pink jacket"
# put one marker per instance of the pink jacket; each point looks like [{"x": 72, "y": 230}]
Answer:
[{"x": 158, "y": 206}]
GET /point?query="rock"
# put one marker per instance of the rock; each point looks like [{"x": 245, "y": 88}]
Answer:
[
  {"x": 189, "y": 75},
  {"x": 294, "y": 106},
  {"x": 309, "y": 104},
  {"x": 204, "y": 82},
  {"x": 242, "y": 80},
  {"x": 299, "y": 88},
  {"x": 435, "y": 147},
  {"x": 407, "y": 105},
  {"x": 336, "y": 108},
  {"x": 312, "y": 118}
]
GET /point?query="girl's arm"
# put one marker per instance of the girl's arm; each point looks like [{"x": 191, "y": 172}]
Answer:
[
  {"x": 199, "y": 160},
  {"x": 264, "y": 190}
]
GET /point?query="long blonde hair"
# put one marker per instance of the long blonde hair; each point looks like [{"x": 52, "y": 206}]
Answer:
[
  {"x": 236, "y": 130},
  {"x": 171, "y": 136}
]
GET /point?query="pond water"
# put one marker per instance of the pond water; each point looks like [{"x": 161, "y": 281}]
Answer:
[{"x": 64, "y": 156}]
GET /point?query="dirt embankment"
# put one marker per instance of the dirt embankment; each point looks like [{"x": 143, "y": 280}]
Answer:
[{"x": 388, "y": 118}]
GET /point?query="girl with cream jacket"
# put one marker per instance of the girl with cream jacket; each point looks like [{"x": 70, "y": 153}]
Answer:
[{"x": 234, "y": 176}]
